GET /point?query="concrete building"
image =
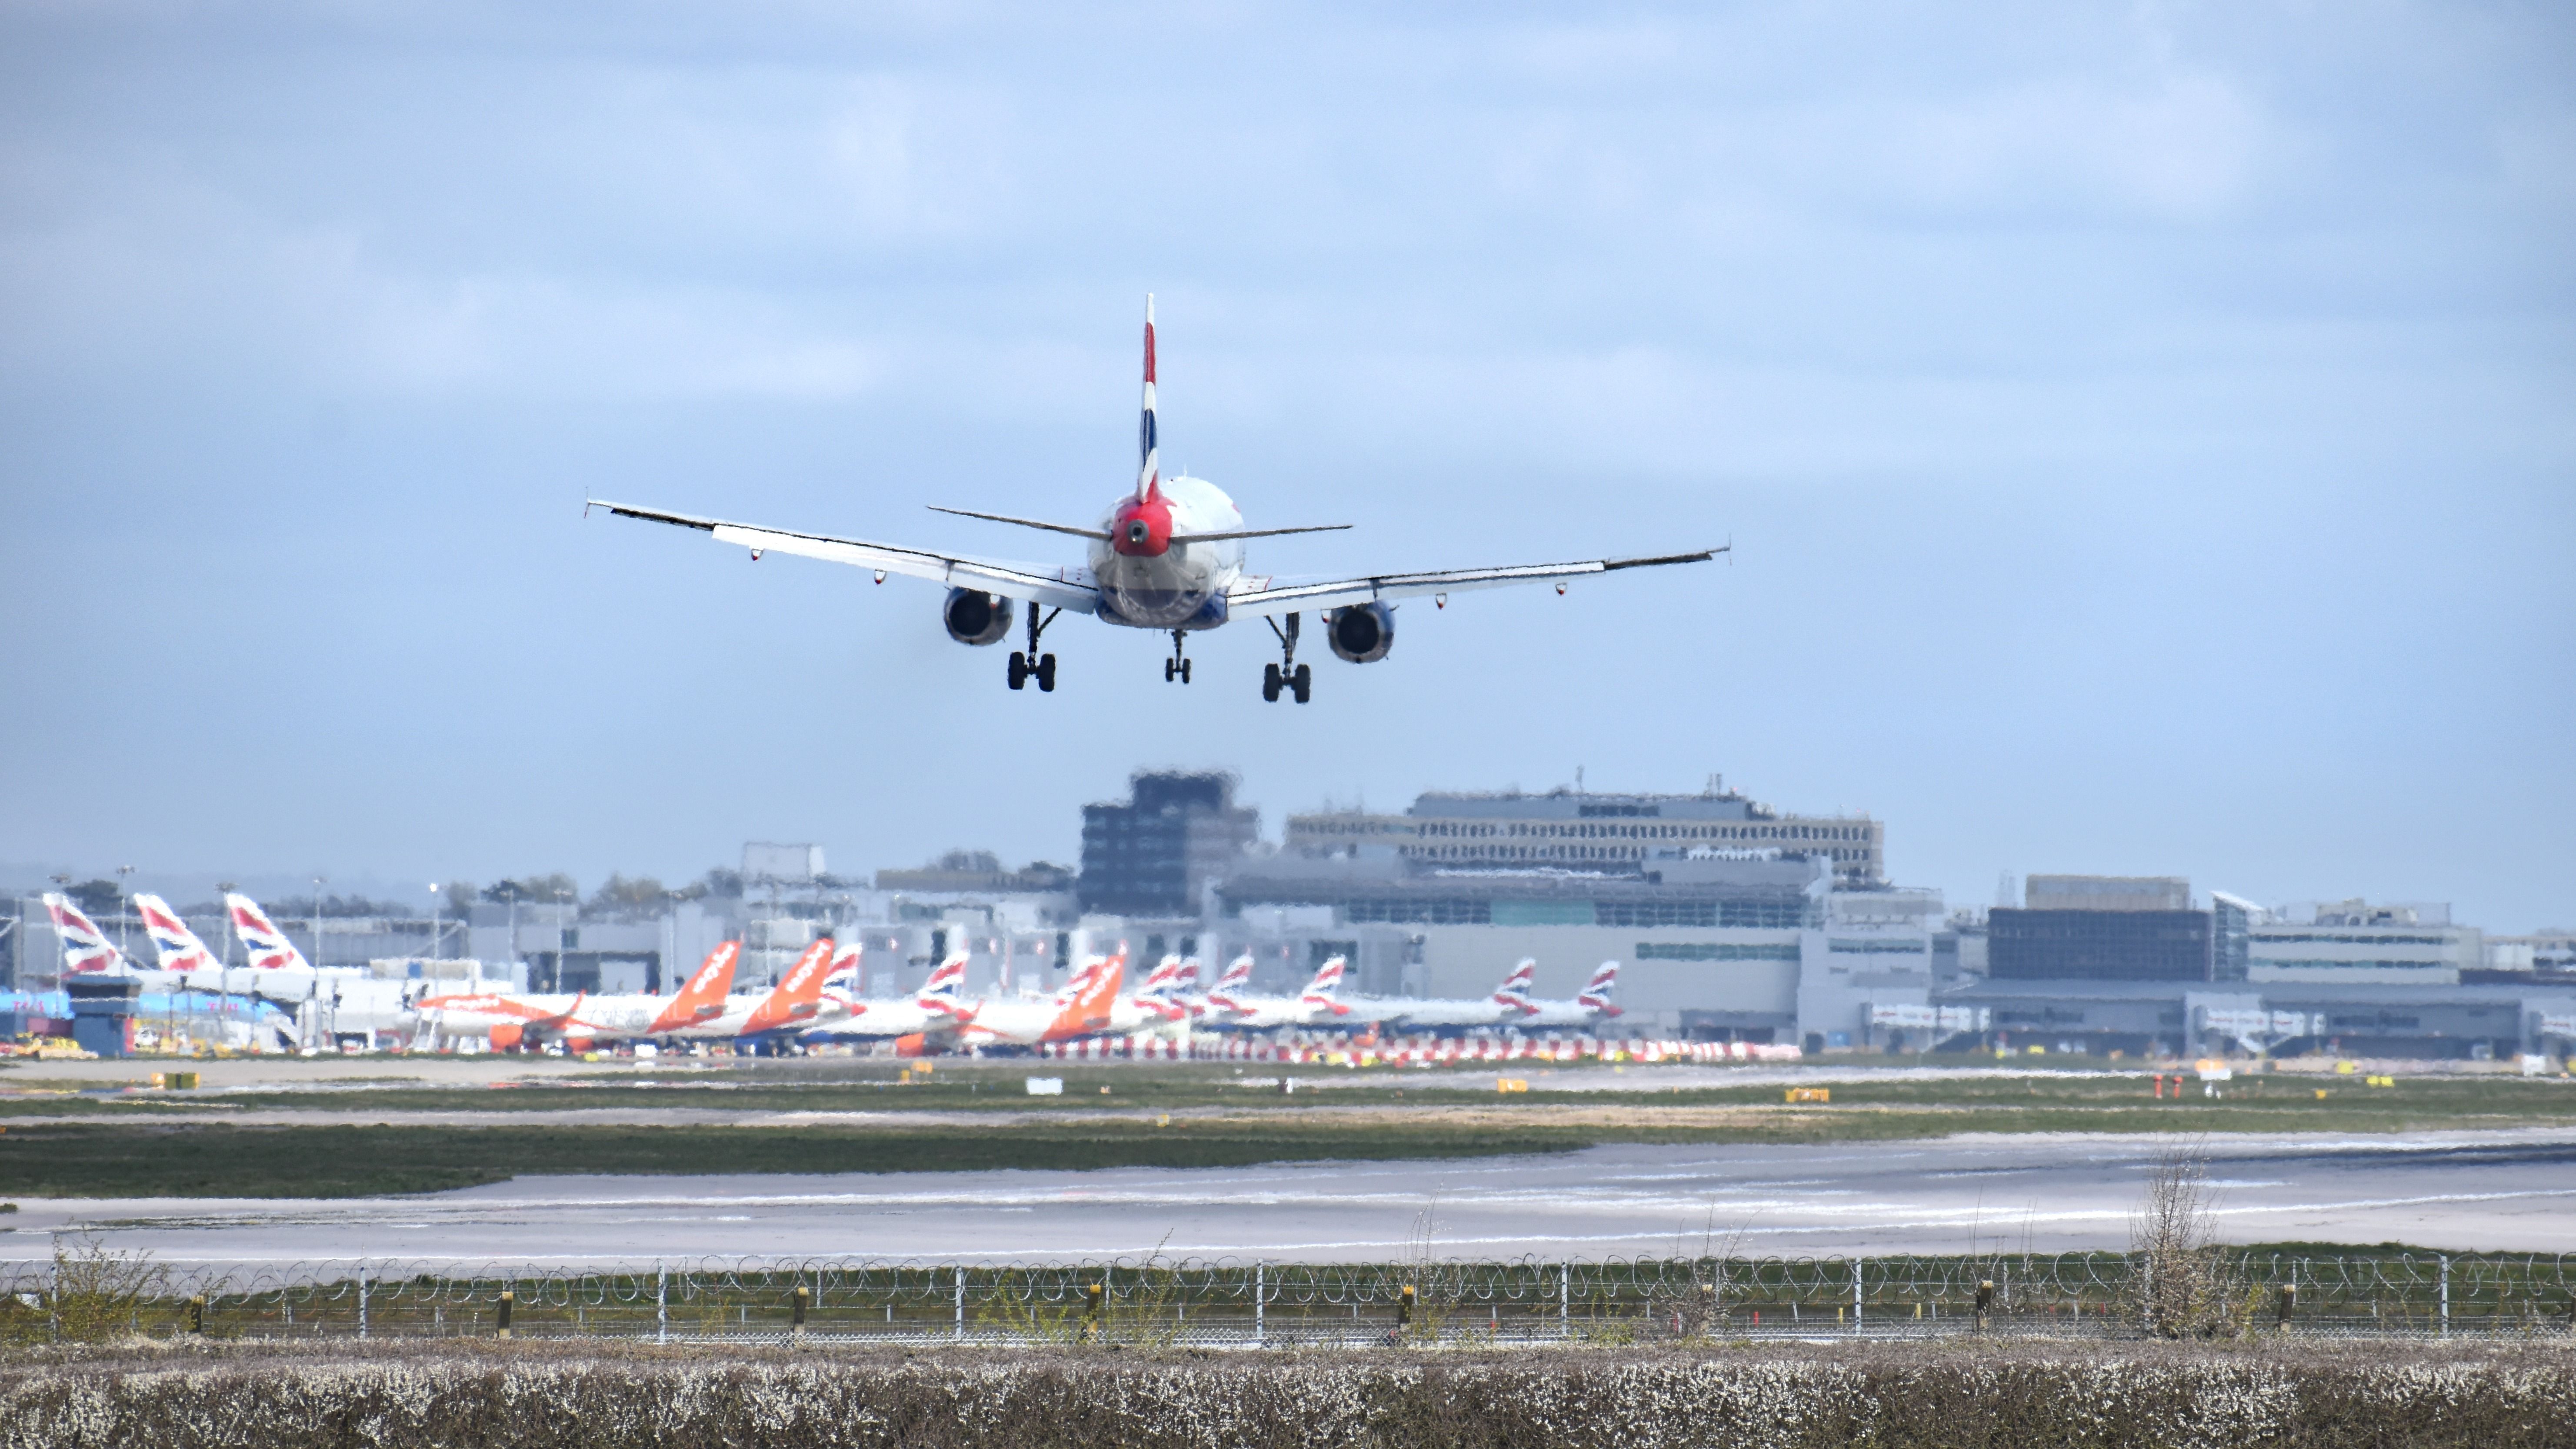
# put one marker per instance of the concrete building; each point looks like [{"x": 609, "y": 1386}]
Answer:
[
  {"x": 1574, "y": 830},
  {"x": 2359, "y": 943},
  {"x": 1157, "y": 854},
  {"x": 2188, "y": 1019},
  {"x": 2100, "y": 928}
]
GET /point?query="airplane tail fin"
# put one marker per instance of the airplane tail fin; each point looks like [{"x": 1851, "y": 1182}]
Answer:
[
  {"x": 1164, "y": 979},
  {"x": 173, "y": 943},
  {"x": 1185, "y": 981},
  {"x": 1238, "y": 975},
  {"x": 946, "y": 986},
  {"x": 86, "y": 949},
  {"x": 798, "y": 994},
  {"x": 1149, "y": 468},
  {"x": 1327, "y": 985},
  {"x": 1515, "y": 989},
  {"x": 268, "y": 947},
  {"x": 1596, "y": 995},
  {"x": 703, "y": 994}
]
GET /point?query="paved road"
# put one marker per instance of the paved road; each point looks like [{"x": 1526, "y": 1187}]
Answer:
[{"x": 2463, "y": 1190}]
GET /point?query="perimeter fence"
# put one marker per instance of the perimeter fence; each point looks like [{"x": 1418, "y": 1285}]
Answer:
[{"x": 1225, "y": 1303}]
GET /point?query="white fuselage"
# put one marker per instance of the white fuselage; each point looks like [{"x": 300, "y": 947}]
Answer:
[
  {"x": 1184, "y": 586},
  {"x": 1438, "y": 1016}
]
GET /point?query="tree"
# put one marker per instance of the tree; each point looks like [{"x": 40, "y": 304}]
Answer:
[
  {"x": 622, "y": 896},
  {"x": 97, "y": 897}
]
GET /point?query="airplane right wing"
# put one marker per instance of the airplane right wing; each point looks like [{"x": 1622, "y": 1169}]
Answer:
[
  {"x": 1069, "y": 588},
  {"x": 1264, "y": 597}
]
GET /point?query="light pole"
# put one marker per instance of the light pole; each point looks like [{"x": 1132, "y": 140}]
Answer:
[
  {"x": 317, "y": 922},
  {"x": 226, "y": 888},
  {"x": 124, "y": 908},
  {"x": 434, "y": 920},
  {"x": 563, "y": 936}
]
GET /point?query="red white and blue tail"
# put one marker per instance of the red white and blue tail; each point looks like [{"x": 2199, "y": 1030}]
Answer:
[
  {"x": 1596, "y": 994},
  {"x": 946, "y": 988},
  {"x": 177, "y": 947},
  {"x": 1326, "y": 985},
  {"x": 86, "y": 949},
  {"x": 1164, "y": 979},
  {"x": 1515, "y": 990},
  {"x": 1149, "y": 467},
  {"x": 267, "y": 946}
]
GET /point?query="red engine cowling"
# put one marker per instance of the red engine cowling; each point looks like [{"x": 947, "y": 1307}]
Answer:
[{"x": 506, "y": 1036}]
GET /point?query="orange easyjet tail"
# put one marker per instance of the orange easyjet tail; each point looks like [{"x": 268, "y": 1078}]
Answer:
[
  {"x": 703, "y": 995},
  {"x": 799, "y": 994},
  {"x": 1088, "y": 1011}
]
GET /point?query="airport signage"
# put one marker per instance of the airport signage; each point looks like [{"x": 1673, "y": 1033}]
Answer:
[{"x": 2556, "y": 1024}]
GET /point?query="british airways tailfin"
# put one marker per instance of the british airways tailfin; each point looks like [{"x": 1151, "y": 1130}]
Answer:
[
  {"x": 1596, "y": 993},
  {"x": 86, "y": 949},
  {"x": 1164, "y": 979},
  {"x": 176, "y": 947},
  {"x": 268, "y": 947},
  {"x": 1515, "y": 990},
  {"x": 1326, "y": 986},
  {"x": 1149, "y": 467}
]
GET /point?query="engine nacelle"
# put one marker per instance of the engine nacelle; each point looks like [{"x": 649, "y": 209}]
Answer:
[
  {"x": 1362, "y": 633},
  {"x": 974, "y": 617}
]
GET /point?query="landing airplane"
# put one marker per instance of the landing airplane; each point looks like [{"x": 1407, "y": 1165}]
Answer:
[{"x": 1167, "y": 556}]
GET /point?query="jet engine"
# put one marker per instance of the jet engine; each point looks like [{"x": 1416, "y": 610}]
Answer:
[
  {"x": 976, "y": 618},
  {"x": 1362, "y": 633}
]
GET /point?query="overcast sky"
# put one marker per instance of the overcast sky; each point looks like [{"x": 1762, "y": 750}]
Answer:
[{"x": 2147, "y": 432}]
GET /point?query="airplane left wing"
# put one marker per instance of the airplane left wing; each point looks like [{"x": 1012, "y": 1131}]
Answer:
[
  {"x": 1057, "y": 589},
  {"x": 1266, "y": 597}
]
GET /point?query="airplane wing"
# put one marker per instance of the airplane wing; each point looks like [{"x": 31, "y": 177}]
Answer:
[
  {"x": 1264, "y": 596},
  {"x": 1056, "y": 589}
]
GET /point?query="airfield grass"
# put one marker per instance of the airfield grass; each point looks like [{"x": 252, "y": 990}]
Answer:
[{"x": 957, "y": 1125}]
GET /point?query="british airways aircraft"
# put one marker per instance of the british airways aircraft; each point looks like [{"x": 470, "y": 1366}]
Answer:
[{"x": 1167, "y": 556}]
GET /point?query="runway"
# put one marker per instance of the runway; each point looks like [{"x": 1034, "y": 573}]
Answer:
[{"x": 2462, "y": 1191}]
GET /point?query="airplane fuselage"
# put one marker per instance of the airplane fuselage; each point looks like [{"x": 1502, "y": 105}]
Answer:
[{"x": 1150, "y": 580}]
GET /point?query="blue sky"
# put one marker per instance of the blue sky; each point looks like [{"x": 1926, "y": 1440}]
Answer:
[{"x": 2145, "y": 430}]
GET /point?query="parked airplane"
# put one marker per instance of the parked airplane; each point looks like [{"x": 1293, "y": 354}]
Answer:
[
  {"x": 795, "y": 1002},
  {"x": 1083, "y": 1008},
  {"x": 1507, "y": 1005},
  {"x": 1318, "y": 1003},
  {"x": 86, "y": 949},
  {"x": 1585, "y": 1010},
  {"x": 931, "y": 1011},
  {"x": 511, "y": 1019},
  {"x": 1167, "y": 556}
]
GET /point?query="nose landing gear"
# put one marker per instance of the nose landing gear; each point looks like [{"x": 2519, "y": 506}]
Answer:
[
  {"x": 1032, "y": 664},
  {"x": 1176, "y": 667},
  {"x": 1298, "y": 679}
]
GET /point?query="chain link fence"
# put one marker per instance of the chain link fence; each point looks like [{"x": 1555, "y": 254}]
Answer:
[{"x": 1160, "y": 1302}]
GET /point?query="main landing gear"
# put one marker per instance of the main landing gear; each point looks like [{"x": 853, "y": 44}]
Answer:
[
  {"x": 1033, "y": 665},
  {"x": 1287, "y": 674},
  {"x": 1176, "y": 667}
]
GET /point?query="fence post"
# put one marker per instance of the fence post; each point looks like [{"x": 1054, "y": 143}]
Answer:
[
  {"x": 1260, "y": 1285},
  {"x": 362, "y": 1300},
  {"x": 804, "y": 1296},
  {"x": 1857, "y": 1260},
  {"x": 2289, "y": 1301},
  {"x": 1404, "y": 1314},
  {"x": 1093, "y": 1300},
  {"x": 509, "y": 1296},
  {"x": 2446, "y": 1295},
  {"x": 959, "y": 1331},
  {"x": 661, "y": 1303},
  {"x": 1985, "y": 1300},
  {"x": 1565, "y": 1300}
]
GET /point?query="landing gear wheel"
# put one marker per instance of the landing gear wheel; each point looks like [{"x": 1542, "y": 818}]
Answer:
[
  {"x": 1020, "y": 670},
  {"x": 1045, "y": 673},
  {"x": 1171, "y": 670},
  {"x": 1270, "y": 682},
  {"x": 1185, "y": 671},
  {"x": 1303, "y": 682}
]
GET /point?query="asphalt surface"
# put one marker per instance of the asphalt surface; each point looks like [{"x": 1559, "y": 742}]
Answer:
[{"x": 2464, "y": 1191}]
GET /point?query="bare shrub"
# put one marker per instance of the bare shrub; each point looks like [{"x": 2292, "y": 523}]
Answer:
[
  {"x": 95, "y": 1293},
  {"x": 2183, "y": 1286}
]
